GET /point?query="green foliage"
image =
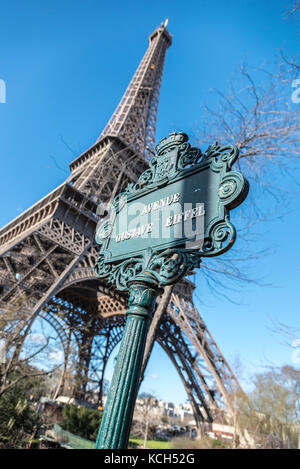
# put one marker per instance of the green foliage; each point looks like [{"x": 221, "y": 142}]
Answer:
[
  {"x": 151, "y": 444},
  {"x": 18, "y": 421},
  {"x": 82, "y": 421}
]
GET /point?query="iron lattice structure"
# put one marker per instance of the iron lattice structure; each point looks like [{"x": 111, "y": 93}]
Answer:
[{"x": 48, "y": 254}]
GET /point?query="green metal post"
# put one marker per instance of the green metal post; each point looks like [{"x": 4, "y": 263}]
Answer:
[{"x": 118, "y": 412}]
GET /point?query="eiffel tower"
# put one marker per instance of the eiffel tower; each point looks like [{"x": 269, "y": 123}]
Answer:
[{"x": 47, "y": 255}]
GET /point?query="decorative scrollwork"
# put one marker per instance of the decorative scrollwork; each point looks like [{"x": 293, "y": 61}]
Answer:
[
  {"x": 175, "y": 156},
  {"x": 233, "y": 189},
  {"x": 217, "y": 155},
  {"x": 161, "y": 269},
  {"x": 103, "y": 232},
  {"x": 222, "y": 235},
  {"x": 227, "y": 188},
  {"x": 189, "y": 157}
]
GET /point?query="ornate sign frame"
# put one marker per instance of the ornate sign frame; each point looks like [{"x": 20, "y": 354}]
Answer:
[{"x": 175, "y": 162}]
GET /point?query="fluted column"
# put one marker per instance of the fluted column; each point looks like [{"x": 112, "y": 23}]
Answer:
[{"x": 118, "y": 412}]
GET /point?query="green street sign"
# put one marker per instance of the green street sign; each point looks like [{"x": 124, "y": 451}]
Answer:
[
  {"x": 181, "y": 202},
  {"x": 157, "y": 231}
]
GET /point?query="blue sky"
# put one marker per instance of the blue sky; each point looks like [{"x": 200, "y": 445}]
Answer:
[{"x": 66, "y": 65}]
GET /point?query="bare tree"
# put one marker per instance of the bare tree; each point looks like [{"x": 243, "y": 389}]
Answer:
[
  {"x": 258, "y": 115},
  {"x": 21, "y": 360},
  {"x": 144, "y": 417},
  {"x": 294, "y": 62},
  {"x": 294, "y": 9}
]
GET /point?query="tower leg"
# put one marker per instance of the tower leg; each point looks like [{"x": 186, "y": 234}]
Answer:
[
  {"x": 160, "y": 310},
  {"x": 60, "y": 387}
]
